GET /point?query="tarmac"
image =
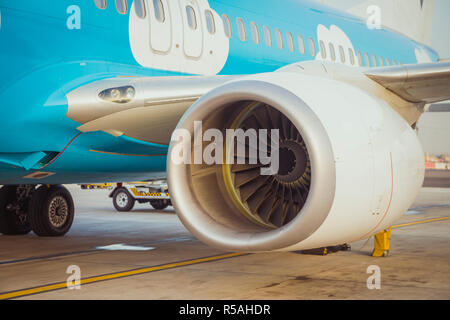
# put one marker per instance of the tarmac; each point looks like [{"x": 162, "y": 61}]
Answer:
[{"x": 148, "y": 254}]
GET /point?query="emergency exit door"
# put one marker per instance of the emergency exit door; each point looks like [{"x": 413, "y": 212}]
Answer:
[{"x": 192, "y": 28}]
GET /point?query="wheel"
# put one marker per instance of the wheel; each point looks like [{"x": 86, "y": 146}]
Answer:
[
  {"x": 51, "y": 211},
  {"x": 159, "y": 204},
  {"x": 13, "y": 214},
  {"x": 122, "y": 200}
]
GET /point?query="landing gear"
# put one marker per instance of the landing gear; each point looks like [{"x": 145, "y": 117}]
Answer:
[
  {"x": 122, "y": 200},
  {"x": 159, "y": 204},
  {"x": 51, "y": 211},
  {"x": 14, "y": 210},
  {"x": 47, "y": 210}
]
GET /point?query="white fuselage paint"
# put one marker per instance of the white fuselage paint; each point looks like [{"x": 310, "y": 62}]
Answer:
[
  {"x": 422, "y": 56},
  {"x": 335, "y": 38},
  {"x": 173, "y": 45}
]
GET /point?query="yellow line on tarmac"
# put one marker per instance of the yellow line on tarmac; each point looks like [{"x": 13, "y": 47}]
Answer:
[
  {"x": 111, "y": 276},
  {"x": 420, "y": 222}
]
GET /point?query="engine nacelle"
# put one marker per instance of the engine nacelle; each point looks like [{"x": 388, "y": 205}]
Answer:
[{"x": 349, "y": 166}]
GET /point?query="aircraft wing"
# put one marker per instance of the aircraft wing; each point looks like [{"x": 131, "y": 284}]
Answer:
[{"x": 426, "y": 83}]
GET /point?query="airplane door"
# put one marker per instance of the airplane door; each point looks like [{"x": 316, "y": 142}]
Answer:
[
  {"x": 192, "y": 28},
  {"x": 160, "y": 25}
]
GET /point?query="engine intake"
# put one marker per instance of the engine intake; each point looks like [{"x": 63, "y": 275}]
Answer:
[
  {"x": 335, "y": 145},
  {"x": 234, "y": 206}
]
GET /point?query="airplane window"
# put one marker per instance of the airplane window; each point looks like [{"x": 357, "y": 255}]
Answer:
[
  {"x": 279, "y": 38},
  {"x": 191, "y": 18},
  {"x": 312, "y": 47},
  {"x": 332, "y": 52},
  {"x": 342, "y": 54},
  {"x": 290, "y": 41},
  {"x": 101, "y": 4},
  {"x": 352, "y": 56},
  {"x": 381, "y": 61},
  {"x": 210, "y": 25},
  {"x": 388, "y": 62},
  {"x": 374, "y": 60},
  {"x": 366, "y": 57},
  {"x": 139, "y": 7},
  {"x": 121, "y": 6},
  {"x": 323, "y": 51},
  {"x": 301, "y": 44},
  {"x": 360, "y": 61},
  {"x": 159, "y": 10},
  {"x": 227, "y": 26},
  {"x": 241, "y": 29},
  {"x": 255, "y": 32},
  {"x": 267, "y": 36}
]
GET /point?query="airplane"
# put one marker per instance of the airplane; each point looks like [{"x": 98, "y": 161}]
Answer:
[{"x": 92, "y": 90}]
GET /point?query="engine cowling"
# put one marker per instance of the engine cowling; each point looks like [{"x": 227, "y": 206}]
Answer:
[{"x": 349, "y": 166}]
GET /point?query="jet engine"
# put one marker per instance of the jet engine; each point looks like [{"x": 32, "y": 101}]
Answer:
[{"x": 349, "y": 165}]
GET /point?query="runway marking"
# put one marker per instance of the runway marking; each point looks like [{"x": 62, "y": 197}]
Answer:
[
  {"x": 123, "y": 274},
  {"x": 420, "y": 222},
  {"x": 124, "y": 247},
  {"x": 117, "y": 275},
  {"x": 73, "y": 253}
]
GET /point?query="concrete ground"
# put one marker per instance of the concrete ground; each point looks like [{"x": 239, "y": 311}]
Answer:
[{"x": 418, "y": 266}]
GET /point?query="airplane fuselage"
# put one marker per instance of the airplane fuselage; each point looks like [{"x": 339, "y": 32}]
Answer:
[{"x": 50, "y": 48}]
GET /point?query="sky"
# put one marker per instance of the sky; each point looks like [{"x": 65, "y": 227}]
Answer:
[{"x": 441, "y": 28}]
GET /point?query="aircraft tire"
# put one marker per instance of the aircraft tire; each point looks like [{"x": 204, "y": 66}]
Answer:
[{"x": 51, "y": 211}]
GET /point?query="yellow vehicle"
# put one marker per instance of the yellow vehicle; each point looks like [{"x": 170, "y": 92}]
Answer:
[
  {"x": 154, "y": 192},
  {"x": 97, "y": 186}
]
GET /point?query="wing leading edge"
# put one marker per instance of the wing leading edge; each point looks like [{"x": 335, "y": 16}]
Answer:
[{"x": 417, "y": 83}]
